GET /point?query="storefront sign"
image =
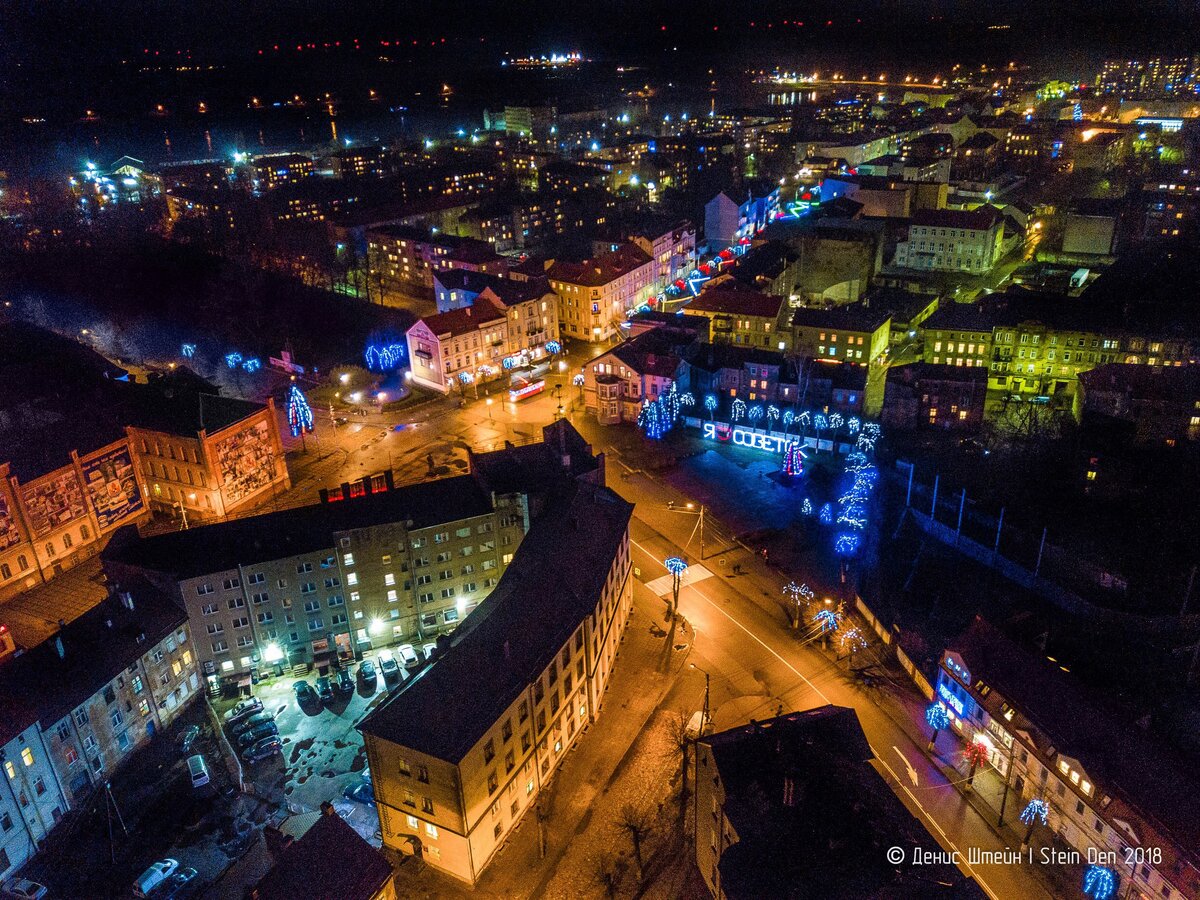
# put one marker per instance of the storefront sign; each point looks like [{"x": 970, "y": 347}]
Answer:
[
  {"x": 744, "y": 437},
  {"x": 948, "y": 697}
]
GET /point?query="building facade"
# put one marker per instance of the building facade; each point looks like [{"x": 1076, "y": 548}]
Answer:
[
  {"x": 595, "y": 295},
  {"x": 457, "y": 347},
  {"x": 742, "y": 317},
  {"x": 949, "y": 240}
]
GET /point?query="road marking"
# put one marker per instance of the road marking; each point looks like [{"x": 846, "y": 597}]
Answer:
[
  {"x": 817, "y": 691},
  {"x": 912, "y": 773},
  {"x": 662, "y": 585}
]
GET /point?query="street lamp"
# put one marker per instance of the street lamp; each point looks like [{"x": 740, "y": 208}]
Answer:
[
  {"x": 690, "y": 508},
  {"x": 489, "y": 408}
]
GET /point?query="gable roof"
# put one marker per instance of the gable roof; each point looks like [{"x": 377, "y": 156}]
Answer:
[
  {"x": 465, "y": 319},
  {"x": 602, "y": 269},
  {"x": 981, "y": 219},
  {"x": 736, "y": 302}
]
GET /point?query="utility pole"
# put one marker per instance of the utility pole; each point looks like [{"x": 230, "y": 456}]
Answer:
[{"x": 1012, "y": 751}]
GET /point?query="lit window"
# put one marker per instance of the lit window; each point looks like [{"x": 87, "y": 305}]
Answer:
[
  {"x": 431, "y": 830},
  {"x": 27, "y": 756}
]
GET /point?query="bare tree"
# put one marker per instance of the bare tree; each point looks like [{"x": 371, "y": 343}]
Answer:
[
  {"x": 637, "y": 823},
  {"x": 610, "y": 870},
  {"x": 682, "y": 741}
]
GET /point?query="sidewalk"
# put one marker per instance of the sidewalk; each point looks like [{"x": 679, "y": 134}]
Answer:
[{"x": 595, "y": 763}]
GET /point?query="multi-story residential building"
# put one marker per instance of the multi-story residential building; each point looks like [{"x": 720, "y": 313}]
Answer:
[
  {"x": 370, "y": 565},
  {"x": 212, "y": 211},
  {"x": 672, "y": 246},
  {"x": 401, "y": 257},
  {"x": 509, "y": 225},
  {"x": 313, "y": 200},
  {"x": 1170, "y": 207},
  {"x": 368, "y": 161},
  {"x": 1101, "y": 776},
  {"x": 728, "y": 222},
  {"x": 80, "y": 464},
  {"x": 1154, "y": 75},
  {"x": 920, "y": 395},
  {"x": 596, "y": 294},
  {"x": 743, "y": 317},
  {"x": 958, "y": 335},
  {"x": 730, "y": 371},
  {"x": 273, "y": 170},
  {"x": 530, "y": 122},
  {"x": 618, "y": 381},
  {"x": 794, "y": 800},
  {"x": 453, "y": 794},
  {"x": 854, "y": 334},
  {"x": 79, "y": 704},
  {"x": 1157, "y": 404},
  {"x": 953, "y": 240},
  {"x": 530, "y": 305},
  {"x": 461, "y": 345}
]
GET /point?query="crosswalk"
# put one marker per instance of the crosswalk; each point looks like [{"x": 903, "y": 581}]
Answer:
[{"x": 662, "y": 586}]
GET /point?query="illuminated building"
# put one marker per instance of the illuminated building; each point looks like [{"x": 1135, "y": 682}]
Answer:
[
  {"x": 1100, "y": 775},
  {"x": 456, "y": 344},
  {"x": 369, "y": 161},
  {"x": 852, "y": 334},
  {"x": 1171, "y": 206},
  {"x": 595, "y": 295},
  {"x": 273, "y": 170},
  {"x": 617, "y": 381},
  {"x": 1150, "y": 76},
  {"x": 742, "y": 317},
  {"x": 404, "y": 257},
  {"x": 927, "y": 395},
  {"x": 514, "y": 690},
  {"x": 726, "y": 221},
  {"x": 530, "y": 122},
  {"x": 951, "y": 240}
]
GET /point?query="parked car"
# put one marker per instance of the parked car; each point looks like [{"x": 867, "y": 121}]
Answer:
[
  {"x": 189, "y": 738},
  {"x": 155, "y": 875},
  {"x": 388, "y": 666},
  {"x": 345, "y": 682},
  {"x": 325, "y": 689},
  {"x": 198, "y": 771},
  {"x": 265, "y": 730},
  {"x": 366, "y": 672},
  {"x": 264, "y": 748},
  {"x": 24, "y": 889},
  {"x": 360, "y": 793},
  {"x": 183, "y": 883},
  {"x": 253, "y": 722},
  {"x": 247, "y": 707},
  {"x": 304, "y": 693},
  {"x": 409, "y": 656}
]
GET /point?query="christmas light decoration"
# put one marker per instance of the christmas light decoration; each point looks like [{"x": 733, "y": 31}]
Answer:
[
  {"x": 652, "y": 421},
  {"x": 465, "y": 377},
  {"x": 233, "y": 360},
  {"x": 188, "y": 350},
  {"x": 710, "y": 403},
  {"x": 829, "y": 620},
  {"x": 772, "y": 415},
  {"x": 694, "y": 281},
  {"x": 738, "y": 411},
  {"x": 687, "y": 398},
  {"x": 1036, "y": 810},
  {"x": 382, "y": 357},
  {"x": 754, "y": 413},
  {"x": 553, "y": 347},
  {"x": 937, "y": 717},
  {"x": 788, "y": 418},
  {"x": 578, "y": 380},
  {"x": 851, "y": 640},
  {"x": 253, "y": 364},
  {"x": 853, "y": 424},
  {"x": 820, "y": 422},
  {"x": 846, "y": 544},
  {"x": 835, "y": 421},
  {"x": 804, "y": 419},
  {"x": 1099, "y": 882},
  {"x": 509, "y": 362},
  {"x": 300, "y": 416},
  {"x": 826, "y": 515},
  {"x": 806, "y": 508},
  {"x": 793, "y": 462},
  {"x": 675, "y": 565}
]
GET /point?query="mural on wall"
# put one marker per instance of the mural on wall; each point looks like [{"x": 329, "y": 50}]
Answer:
[
  {"x": 54, "y": 502},
  {"x": 246, "y": 462},
  {"x": 112, "y": 487},
  {"x": 10, "y": 533}
]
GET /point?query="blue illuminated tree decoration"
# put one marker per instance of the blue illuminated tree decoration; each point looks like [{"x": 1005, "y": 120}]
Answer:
[
  {"x": 738, "y": 410},
  {"x": 852, "y": 640},
  {"x": 300, "y": 416},
  {"x": 1036, "y": 810},
  {"x": 846, "y": 544},
  {"x": 465, "y": 377},
  {"x": 829, "y": 620},
  {"x": 383, "y": 356},
  {"x": 710, "y": 403},
  {"x": 687, "y": 398},
  {"x": 651, "y": 420},
  {"x": 938, "y": 719},
  {"x": 806, "y": 508},
  {"x": 553, "y": 347},
  {"x": 853, "y": 424},
  {"x": 509, "y": 362},
  {"x": 820, "y": 423},
  {"x": 772, "y": 415},
  {"x": 1099, "y": 882},
  {"x": 754, "y": 413},
  {"x": 826, "y": 515},
  {"x": 233, "y": 360},
  {"x": 835, "y": 422},
  {"x": 675, "y": 565},
  {"x": 788, "y": 418},
  {"x": 871, "y": 429},
  {"x": 253, "y": 364},
  {"x": 188, "y": 350}
]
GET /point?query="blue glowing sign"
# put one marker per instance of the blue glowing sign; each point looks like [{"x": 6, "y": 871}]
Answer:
[
  {"x": 948, "y": 697},
  {"x": 744, "y": 437}
]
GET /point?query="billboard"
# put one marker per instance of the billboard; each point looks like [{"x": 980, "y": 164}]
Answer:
[
  {"x": 53, "y": 502},
  {"x": 10, "y": 534},
  {"x": 246, "y": 462},
  {"x": 112, "y": 487}
]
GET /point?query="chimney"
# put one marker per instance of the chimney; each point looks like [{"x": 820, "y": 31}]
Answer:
[{"x": 327, "y": 808}]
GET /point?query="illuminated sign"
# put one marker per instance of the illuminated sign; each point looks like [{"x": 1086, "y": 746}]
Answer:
[
  {"x": 948, "y": 696},
  {"x": 527, "y": 391},
  {"x": 744, "y": 437}
]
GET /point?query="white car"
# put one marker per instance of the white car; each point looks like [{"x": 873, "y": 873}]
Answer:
[
  {"x": 154, "y": 876},
  {"x": 24, "y": 889},
  {"x": 408, "y": 656}
]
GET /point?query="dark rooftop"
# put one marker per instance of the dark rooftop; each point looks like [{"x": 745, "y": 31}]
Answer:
[
  {"x": 655, "y": 352},
  {"x": 96, "y": 647},
  {"x": 924, "y": 371},
  {"x": 1169, "y": 383},
  {"x": 602, "y": 269},
  {"x": 464, "y": 319},
  {"x": 329, "y": 862},
  {"x": 844, "y": 318},
  {"x": 739, "y": 302},
  {"x": 508, "y": 291},
  {"x": 971, "y": 220},
  {"x": 813, "y": 817},
  {"x": 306, "y": 529},
  {"x": 553, "y": 582}
]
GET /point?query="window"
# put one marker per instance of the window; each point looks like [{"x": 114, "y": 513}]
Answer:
[
  {"x": 303, "y": 567},
  {"x": 236, "y": 602},
  {"x": 202, "y": 589},
  {"x": 423, "y": 776},
  {"x": 430, "y": 828},
  {"x": 209, "y": 609},
  {"x": 450, "y": 615},
  {"x": 492, "y": 783},
  {"x": 489, "y": 751}
]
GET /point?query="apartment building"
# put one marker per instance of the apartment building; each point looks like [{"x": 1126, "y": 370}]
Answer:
[
  {"x": 530, "y": 306},
  {"x": 854, "y": 334},
  {"x": 1101, "y": 777},
  {"x": 616, "y": 382},
  {"x": 742, "y": 317},
  {"x": 456, "y": 347},
  {"x": 544, "y": 642},
  {"x": 596, "y": 294},
  {"x": 274, "y": 170},
  {"x": 79, "y": 704},
  {"x": 672, "y": 246},
  {"x": 402, "y": 257},
  {"x": 953, "y": 240}
]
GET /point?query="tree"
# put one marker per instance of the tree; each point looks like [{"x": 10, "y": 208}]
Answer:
[
  {"x": 710, "y": 403},
  {"x": 772, "y": 416},
  {"x": 1035, "y": 811},
  {"x": 738, "y": 410},
  {"x": 938, "y": 719},
  {"x": 636, "y": 822},
  {"x": 610, "y": 870},
  {"x": 975, "y": 753},
  {"x": 682, "y": 742}
]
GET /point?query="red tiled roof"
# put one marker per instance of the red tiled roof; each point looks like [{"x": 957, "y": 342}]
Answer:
[
  {"x": 602, "y": 269},
  {"x": 465, "y": 320},
  {"x": 738, "y": 303},
  {"x": 974, "y": 219}
]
